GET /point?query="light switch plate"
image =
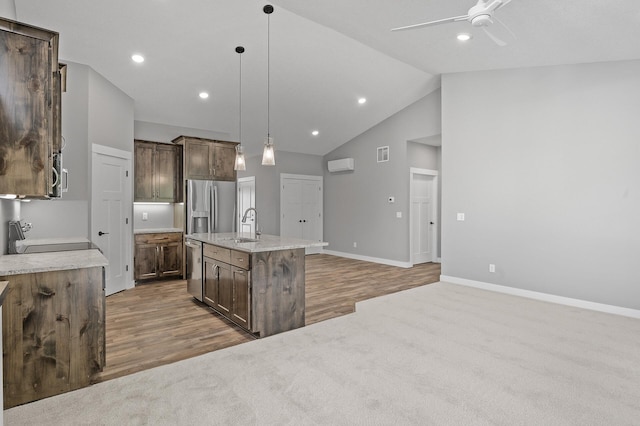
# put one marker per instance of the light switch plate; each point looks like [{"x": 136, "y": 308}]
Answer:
[
  {"x": 399, "y": 215},
  {"x": 461, "y": 217},
  {"x": 145, "y": 216}
]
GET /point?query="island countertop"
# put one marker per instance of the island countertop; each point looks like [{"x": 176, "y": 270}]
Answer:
[
  {"x": 16, "y": 264},
  {"x": 263, "y": 243}
]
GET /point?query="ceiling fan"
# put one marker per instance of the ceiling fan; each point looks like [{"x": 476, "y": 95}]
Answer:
[{"x": 480, "y": 15}]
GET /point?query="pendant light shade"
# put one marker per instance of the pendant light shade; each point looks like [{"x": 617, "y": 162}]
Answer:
[
  {"x": 240, "y": 163},
  {"x": 268, "y": 155}
]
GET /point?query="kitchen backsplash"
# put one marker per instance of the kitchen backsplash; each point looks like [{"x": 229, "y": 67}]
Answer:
[{"x": 152, "y": 216}]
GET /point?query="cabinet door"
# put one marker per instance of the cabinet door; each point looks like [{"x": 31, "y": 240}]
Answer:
[
  {"x": 26, "y": 114},
  {"x": 225, "y": 289},
  {"x": 146, "y": 261},
  {"x": 241, "y": 313},
  {"x": 224, "y": 158},
  {"x": 170, "y": 260},
  {"x": 165, "y": 172},
  {"x": 144, "y": 189},
  {"x": 198, "y": 160},
  {"x": 210, "y": 296}
]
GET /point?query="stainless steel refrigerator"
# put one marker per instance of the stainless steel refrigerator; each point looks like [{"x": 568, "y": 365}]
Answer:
[{"x": 210, "y": 206}]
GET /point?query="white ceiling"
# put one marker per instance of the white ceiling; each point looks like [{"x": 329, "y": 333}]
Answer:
[{"x": 324, "y": 56}]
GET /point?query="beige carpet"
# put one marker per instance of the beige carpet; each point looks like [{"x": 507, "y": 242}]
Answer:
[{"x": 441, "y": 354}]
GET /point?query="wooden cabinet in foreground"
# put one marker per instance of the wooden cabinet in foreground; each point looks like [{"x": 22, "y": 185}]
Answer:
[
  {"x": 157, "y": 172},
  {"x": 53, "y": 333},
  {"x": 30, "y": 131},
  {"x": 158, "y": 255},
  {"x": 206, "y": 159}
]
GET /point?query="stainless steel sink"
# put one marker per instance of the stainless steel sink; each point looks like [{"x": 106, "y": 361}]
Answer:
[{"x": 244, "y": 240}]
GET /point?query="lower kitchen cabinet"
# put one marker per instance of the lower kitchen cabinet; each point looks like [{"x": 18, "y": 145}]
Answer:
[
  {"x": 226, "y": 288},
  {"x": 158, "y": 255},
  {"x": 53, "y": 333}
]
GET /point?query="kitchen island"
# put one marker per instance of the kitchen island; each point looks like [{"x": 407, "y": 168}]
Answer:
[{"x": 258, "y": 283}]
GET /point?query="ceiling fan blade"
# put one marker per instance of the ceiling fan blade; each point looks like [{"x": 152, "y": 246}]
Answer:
[
  {"x": 428, "y": 24},
  {"x": 503, "y": 4},
  {"x": 495, "y": 39},
  {"x": 507, "y": 27}
]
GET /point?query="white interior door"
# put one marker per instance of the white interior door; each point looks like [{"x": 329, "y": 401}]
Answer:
[
  {"x": 423, "y": 217},
  {"x": 301, "y": 208},
  {"x": 110, "y": 210},
  {"x": 246, "y": 199}
]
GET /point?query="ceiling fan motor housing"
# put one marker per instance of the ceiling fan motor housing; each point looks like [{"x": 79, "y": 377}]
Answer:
[{"x": 481, "y": 20}]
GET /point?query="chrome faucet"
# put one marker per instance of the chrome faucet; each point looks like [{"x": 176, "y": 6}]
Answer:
[{"x": 244, "y": 219}]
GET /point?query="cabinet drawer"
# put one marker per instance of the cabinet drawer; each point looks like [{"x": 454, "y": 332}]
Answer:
[
  {"x": 218, "y": 253},
  {"x": 172, "y": 237},
  {"x": 240, "y": 259}
]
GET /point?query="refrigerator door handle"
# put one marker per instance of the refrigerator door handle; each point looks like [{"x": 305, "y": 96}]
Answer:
[
  {"x": 214, "y": 207},
  {"x": 190, "y": 207}
]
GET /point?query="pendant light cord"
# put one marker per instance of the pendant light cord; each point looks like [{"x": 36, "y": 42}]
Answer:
[
  {"x": 240, "y": 104},
  {"x": 268, "y": 74}
]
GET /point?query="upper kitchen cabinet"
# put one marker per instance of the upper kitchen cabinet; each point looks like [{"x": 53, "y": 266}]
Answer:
[
  {"x": 207, "y": 159},
  {"x": 30, "y": 99},
  {"x": 157, "y": 172}
]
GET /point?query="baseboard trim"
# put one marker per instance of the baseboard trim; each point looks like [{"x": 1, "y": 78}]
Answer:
[
  {"x": 369, "y": 259},
  {"x": 568, "y": 301}
]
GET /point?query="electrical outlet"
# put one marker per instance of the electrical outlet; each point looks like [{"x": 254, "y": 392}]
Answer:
[
  {"x": 355, "y": 244},
  {"x": 145, "y": 216},
  {"x": 399, "y": 215},
  {"x": 492, "y": 267},
  {"x": 461, "y": 217}
]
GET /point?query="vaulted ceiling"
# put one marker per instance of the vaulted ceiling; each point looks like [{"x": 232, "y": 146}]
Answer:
[{"x": 324, "y": 56}]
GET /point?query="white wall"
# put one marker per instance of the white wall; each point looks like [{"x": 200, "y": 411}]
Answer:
[
  {"x": 356, "y": 207},
  {"x": 544, "y": 164}
]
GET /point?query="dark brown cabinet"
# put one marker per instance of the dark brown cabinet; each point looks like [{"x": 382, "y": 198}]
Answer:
[
  {"x": 157, "y": 176},
  {"x": 30, "y": 131},
  {"x": 53, "y": 333},
  {"x": 158, "y": 255},
  {"x": 227, "y": 286},
  {"x": 206, "y": 159}
]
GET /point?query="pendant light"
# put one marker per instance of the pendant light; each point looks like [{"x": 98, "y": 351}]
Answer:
[
  {"x": 268, "y": 155},
  {"x": 240, "y": 163}
]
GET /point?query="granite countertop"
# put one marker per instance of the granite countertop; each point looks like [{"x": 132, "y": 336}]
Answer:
[
  {"x": 156, "y": 230},
  {"x": 264, "y": 243},
  {"x": 15, "y": 264}
]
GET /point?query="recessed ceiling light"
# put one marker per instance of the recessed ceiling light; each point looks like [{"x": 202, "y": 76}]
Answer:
[
  {"x": 137, "y": 58},
  {"x": 315, "y": 133},
  {"x": 362, "y": 101},
  {"x": 464, "y": 37},
  {"x": 203, "y": 95}
]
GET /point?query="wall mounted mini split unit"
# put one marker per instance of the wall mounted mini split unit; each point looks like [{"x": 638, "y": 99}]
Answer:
[{"x": 341, "y": 165}]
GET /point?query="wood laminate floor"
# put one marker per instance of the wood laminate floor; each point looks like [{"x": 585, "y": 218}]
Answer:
[{"x": 160, "y": 323}]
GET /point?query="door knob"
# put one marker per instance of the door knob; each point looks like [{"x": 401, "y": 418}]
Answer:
[
  {"x": 431, "y": 223},
  {"x": 100, "y": 233}
]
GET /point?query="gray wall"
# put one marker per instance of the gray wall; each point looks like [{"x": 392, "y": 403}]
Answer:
[
  {"x": 9, "y": 210},
  {"x": 156, "y": 132},
  {"x": 158, "y": 215},
  {"x": 544, "y": 163},
  {"x": 268, "y": 183},
  {"x": 8, "y": 9},
  {"x": 355, "y": 205},
  {"x": 93, "y": 111}
]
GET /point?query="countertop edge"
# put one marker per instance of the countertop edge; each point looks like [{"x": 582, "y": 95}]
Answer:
[
  {"x": 18, "y": 264},
  {"x": 264, "y": 243}
]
